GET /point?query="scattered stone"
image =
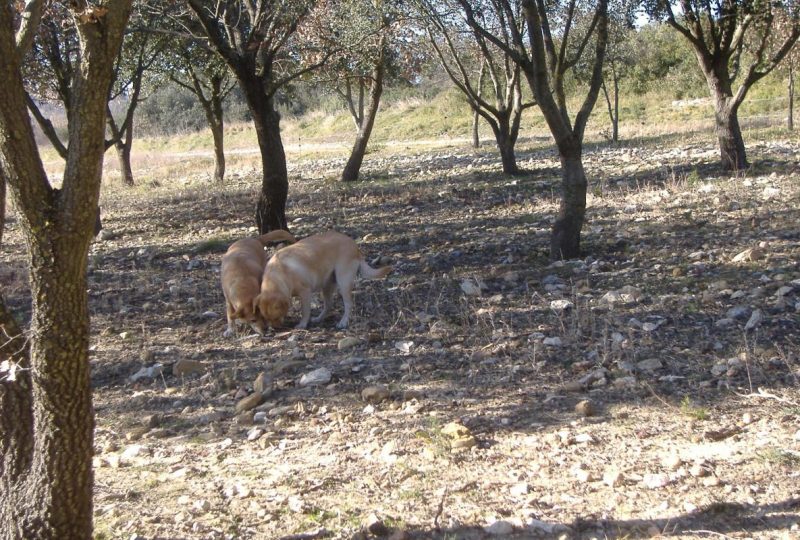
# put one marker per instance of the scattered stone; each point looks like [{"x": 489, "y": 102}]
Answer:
[
  {"x": 582, "y": 475},
  {"x": 136, "y": 433},
  {"x": 755, "y": 320},
  {"x": 375, "y": 393},
  {"x": 263, "y": 384},
  {"x": 317, "y": 377},
  {"x": 250, "y": 402},
  {"x": 672, "y": 462},
  {"x": 519, "y": 489},
  {"x": 552, "y": 341},
  {"x": 651, "y": 364},
  {"x": 470, "y": 288},
  {"x": 699, "y": 470},
  {"x": 245, "y": 418},
  {"x": 738, "y": 313},
  {"x": 625, "y": 382},
  {"x": 748, "y": 255},
  {"x": 712, "y": 481},
  {"x": 374, "y": 525},
  {"x": 585, "y": 408},
  {"x": 561, "y": 305},
  {"x": 147, "y": 372},
  {"x": 254, "y": 434},
  {"x": 612, "y": 477},
  {"x": 460, "y": 436},
  {"x": 499, "y": 528},
  {"x": 404, "y": 346},
  {"x": 184, "y": 367},
  {"x": 347, "y": 343},
  {"x": 655, "y": 481}
]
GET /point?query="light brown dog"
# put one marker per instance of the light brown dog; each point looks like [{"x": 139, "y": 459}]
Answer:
[
  {"x": 323, "y": 262},
  {"x": 242, "y": 267}
]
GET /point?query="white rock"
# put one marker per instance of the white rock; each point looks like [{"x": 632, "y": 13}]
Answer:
[
  {"x": 470, "y": 288},
  {"x": 783, "y": 291},
  {"x": 317, "y": 377},
  {"x": 552, "y": 341},
  {"x": 254, "y": 434},
  {"x": 404, "y": 346},
  {"x": 147, "y": 372},
  {"x": 561, "y": 305},
  {"x": 132, "y": 451},
  {"x": 655, "y": 481},
  {"x": 499, "y": 528},
  {"x": 519, "y": 489}
]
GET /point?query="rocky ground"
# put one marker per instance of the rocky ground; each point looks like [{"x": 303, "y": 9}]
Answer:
[{"x": 649, "y": 389}]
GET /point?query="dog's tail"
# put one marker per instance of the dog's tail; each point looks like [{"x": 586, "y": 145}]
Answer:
[
  {"x": 278, "y": 235},
  {"x": 373, "y": 273}
]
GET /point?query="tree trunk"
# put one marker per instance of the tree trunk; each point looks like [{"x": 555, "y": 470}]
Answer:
[
  {"x": 615, "y": 119},
  {"x": 47, "y": 418},
  {"x": 353, "y": 167},
  {"x": 566, "y": 239},
  {"x": 729, "y": 134},
  {"x": 124, "y": 157},
  {"x": 53, "y": 465},
  {"x": 505, "y": 144},
  {"x": 790, "y": 116},
  {"x": 217, "y": 134},
  {"x": 2, "y": 206},
  {"x": 217, "y": 123},
  {"x": 476, "y": 140}
]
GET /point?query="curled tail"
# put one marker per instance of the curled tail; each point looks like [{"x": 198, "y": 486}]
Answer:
[
  {"x": 373, "y": 273},
  {"x": 278, "y": 235}
]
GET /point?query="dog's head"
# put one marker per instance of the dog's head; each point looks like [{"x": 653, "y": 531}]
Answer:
[
  {"x": 247, "y": 313},
  {"x": 271, "y": 307}
]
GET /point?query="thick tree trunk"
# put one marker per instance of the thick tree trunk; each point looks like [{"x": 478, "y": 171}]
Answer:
[
  {"x": 54, "y": 465},
  {"x": 271, "y": 206},
  {"x": 505, "y": 145},
  {"x": 729, "y": 134},
  {"x": 2, "y": 206},
  {"x": 476, "y": 140},
  {"x": 353, "y": 167},
  {"x": 566, "y": 239},
  {"x": 47, "y": 419}
]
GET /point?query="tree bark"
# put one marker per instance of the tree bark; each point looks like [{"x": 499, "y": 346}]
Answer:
[
  {"x": 615, "y": 119},
  {"x": 353, "y": 167},
  {"x": 2, "y": 206},
  {"x": 506, "y": 141},
  {"x": 476, "y": 140},
  {"x": 124, "y": 157},
  {"x": 566, "y": 238},
  {"x": 729, "y": 134},
  {"x": 47, "y": 418},
  {"x": 271, "y": 206},
  {"x": 218, "y": 135},
  {"x": 790, "y": 116}
]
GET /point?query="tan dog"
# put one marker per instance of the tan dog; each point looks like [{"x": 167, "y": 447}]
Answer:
[
  {"x": 323, "y": 262},
  {"x": 242, "y": 267}
]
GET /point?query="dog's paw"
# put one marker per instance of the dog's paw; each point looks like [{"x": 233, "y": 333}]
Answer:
[
  {"x": 341, "y": 325},
  {"x": 302, "y": 326},
  {"x": 228, "y": 333}
]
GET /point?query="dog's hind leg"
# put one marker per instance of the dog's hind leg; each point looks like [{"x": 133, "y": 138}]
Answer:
[
  {"x": 327, "y": 298},
  {"x": 345, "y": 278}
]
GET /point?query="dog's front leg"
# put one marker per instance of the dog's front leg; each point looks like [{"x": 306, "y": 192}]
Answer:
[
  {"x": 305, "y": 308},
  {"x": 231, "y": 330}
]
